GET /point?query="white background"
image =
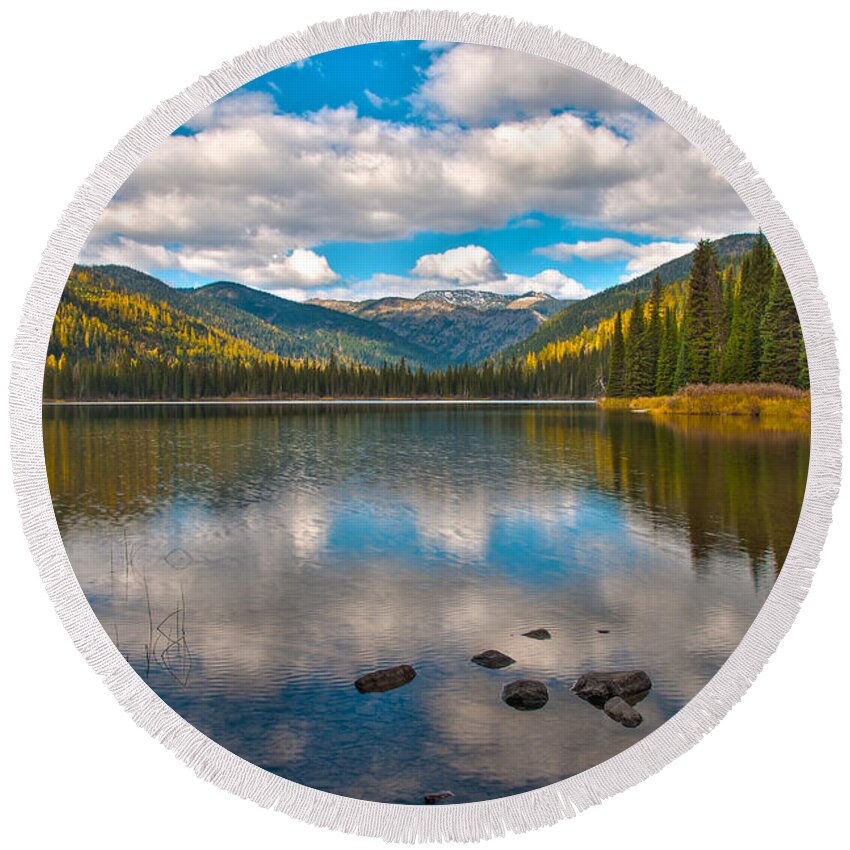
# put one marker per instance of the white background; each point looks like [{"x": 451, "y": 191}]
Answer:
[{"x": 76, "y": 77}]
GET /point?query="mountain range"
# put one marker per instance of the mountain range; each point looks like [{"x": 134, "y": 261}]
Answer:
[
  {"x": 437, "y": 329},
  {"x": 457, "y": 326},
  {"x": 286, "y": 328}
]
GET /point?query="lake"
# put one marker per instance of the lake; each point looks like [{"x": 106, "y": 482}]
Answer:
[{"x": 251, "y": 561}]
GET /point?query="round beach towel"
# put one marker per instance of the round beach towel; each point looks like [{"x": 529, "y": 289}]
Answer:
[{"x": 425, "y": 425}]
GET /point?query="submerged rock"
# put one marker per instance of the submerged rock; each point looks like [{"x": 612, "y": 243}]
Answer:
[
  {"x": 538, "y": 634},
  {"x": 525, "y": 694},
  {"x": 618, "y": 709},
  {"x": 597, "y": 688},
  {"x": 386, "y": 679},
  {"x": 437, "y": 797},
  {"x": 493, "y": 659}
]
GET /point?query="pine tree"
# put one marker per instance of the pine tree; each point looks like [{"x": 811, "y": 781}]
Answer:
[
  {"x": 703, "y": 309},
  {"x": 803, "y": 369},
  {"x": 617, "y": 369},
  {"x": 731, "y": 369},
  {"x": 634, "y": 350},
  {"x": 650, "y": 346},
  {"x": 727, "y": 313},
  {"x": 683, "y": 367},
  {"x": 668, "y": 355},
  {"x": 729, "y": 286},
  {"x": 781, "y": 336},
  {"x": 755, "y": 292}
]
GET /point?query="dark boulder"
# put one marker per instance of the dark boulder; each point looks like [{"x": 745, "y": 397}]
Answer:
[
  {"x": 537, "y": 634},
  {"x": 597, "y": 688},
  {"x": 618, "y": 709},
  {"x": 493, "y": 659},
  {"x": 525, "y": 695},
  {"x": 438, "y": 797},
  {"x": 386, "y": 679}
]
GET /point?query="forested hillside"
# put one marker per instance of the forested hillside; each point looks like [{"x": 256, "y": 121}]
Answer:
[
  {"x": 122, "y": 334},
  {"x": 286, "y": 328},
  {"x": 315, "y": 331},
  {"x": 461, "y": 332},
  {"x": 458, "y": 325},
  {"x": 119, "y": 334},
  {"x": 736, "y": 325},
  {"x": 588, "y": 312}
]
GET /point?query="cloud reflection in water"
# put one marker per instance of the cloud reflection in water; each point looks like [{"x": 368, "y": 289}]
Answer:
[{"x": 321, "y": 543}]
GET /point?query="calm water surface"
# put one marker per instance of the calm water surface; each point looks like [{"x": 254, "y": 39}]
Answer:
[{"x": 251, "y": 561}]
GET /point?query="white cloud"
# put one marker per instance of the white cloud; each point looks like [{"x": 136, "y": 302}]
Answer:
[
  {"x": 293, "y": 271},
  {"x": 608, "y": 248},
  {"x": 640, "y": 258},
  {"x": 376, "y": 100},
  {"x": 123, "y": 251},
  {"x": 550, "y": 281},
  {"x": 251, "y": 184},
  {"x": 480, "y": 85},
  {"x": 378, "y": 285},
  {"x": 469, "y": 264},
  {"x": 301, "y": 267},
  {"x": 525, "y": 223},
  {"x": 555, "y": 283},
  {"x": 654, "y": 254},
  {"x": 230, "y": 110}
]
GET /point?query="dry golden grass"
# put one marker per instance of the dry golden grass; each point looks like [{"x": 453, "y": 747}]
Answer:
[{"x": 768, "y": 401}]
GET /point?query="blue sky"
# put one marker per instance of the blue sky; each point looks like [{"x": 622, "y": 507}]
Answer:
[{"x": 392, "y": 168}]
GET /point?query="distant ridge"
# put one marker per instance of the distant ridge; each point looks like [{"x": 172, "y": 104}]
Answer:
[
  {"x": 272, "y": 324},
  {"x": 436, "y": 329},
  {"x": 458, "y": 325},
  {"x": 483, "y": 299},
  {"x": 464, "y": 297}
]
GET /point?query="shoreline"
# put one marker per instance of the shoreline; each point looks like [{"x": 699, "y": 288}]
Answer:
[
  {"x": 718, "y": 400},
  {"x": 296, "y": 401},
  {"x": 751, "y": 401}
]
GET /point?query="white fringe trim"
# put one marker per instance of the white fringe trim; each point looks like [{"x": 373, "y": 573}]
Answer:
[{"x": 471, "y": 821}]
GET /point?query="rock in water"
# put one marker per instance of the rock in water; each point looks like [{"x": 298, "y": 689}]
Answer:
[
  {"x": 597, "y": 688},
  {"x": 493, "y": 659},
  {"x": 538, "y": 634},
  {"x": 525, "y": 695},
  {"x": 618, "y": 709},
  {"x": 386, "y": 679},
  {"x": 438, "y": 797}
]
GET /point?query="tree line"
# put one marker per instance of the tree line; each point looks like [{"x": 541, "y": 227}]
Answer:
[
  {"x": 273, "y": 377},
  {"x": 108, "y": 342}
]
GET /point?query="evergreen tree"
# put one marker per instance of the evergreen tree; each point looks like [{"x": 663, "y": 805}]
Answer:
[
  {"x": 617, "y": 369},
  {"x": 650, "y": 346},
  {"x": 668, "y": 356},
  {"x": 755, "y": 291},
  {"x": 724, "y": 331},
  {"x": 703, "y": 310},
  {"x": 729, "y": 296},
  {"x": 731, "y": 368},
  {"x": 635, "y": 359},
  {"x": 683, "y": 368},
  {"x": 781, "y": 336},
  {"x": 803, "y": 369}
]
